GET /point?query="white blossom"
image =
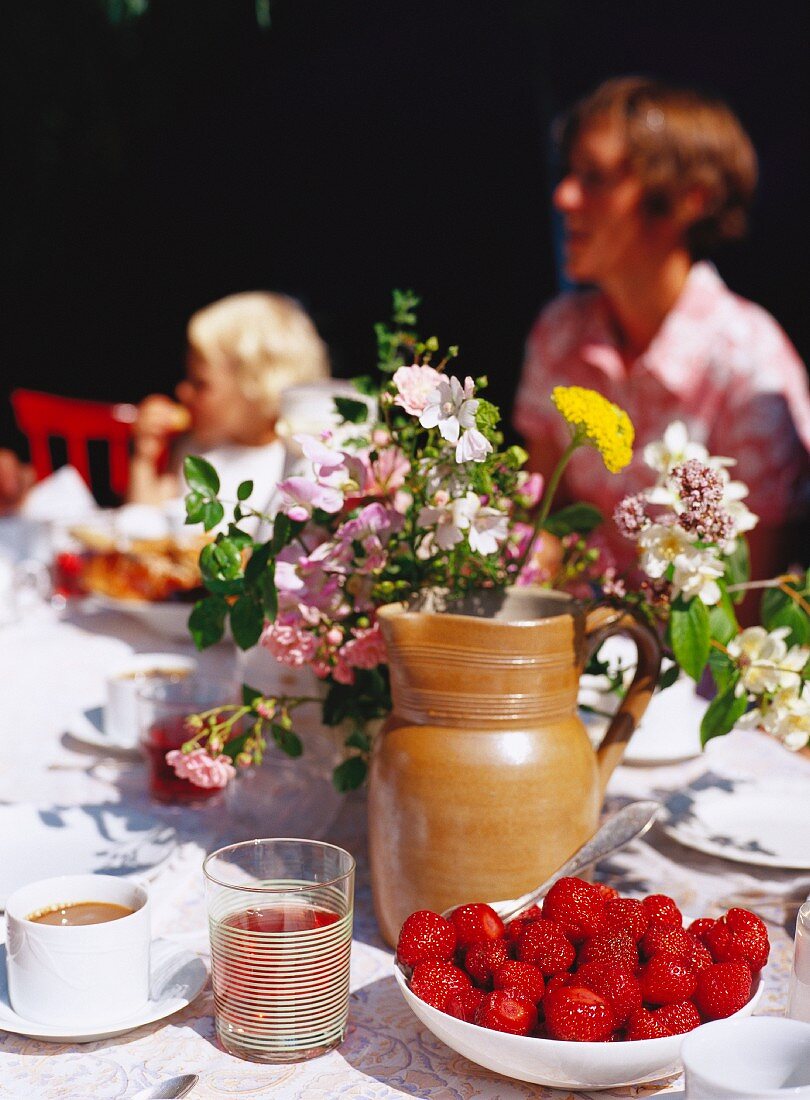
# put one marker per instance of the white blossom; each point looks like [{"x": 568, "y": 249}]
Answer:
[
  {"x": 760, "y": 657},
  {"x": 473, "y": 446},
  {"x": 786, "y": 716},
  {"x": 486, "y": 527},
  {"x": 660, "y": 544},
  {"x": 696, "y": 574},
  {"x": 451, "y": 407}
]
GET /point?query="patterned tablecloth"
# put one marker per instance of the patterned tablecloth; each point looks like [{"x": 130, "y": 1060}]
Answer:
[{"x": 52, "y": 668}]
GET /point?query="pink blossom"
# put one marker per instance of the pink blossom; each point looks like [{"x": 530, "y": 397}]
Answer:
[
  {"x": 365, "y": 650},
  {"x": 300, "y": 496},
  {"x": 531, "y": 490},
  {"x": 318, "y": 453},
  {"x": 386, "y": 472},
  {"x": 289, "y": 643},
  {"x": 414, "y": 385},
  {"x": 201, "y": 769}
]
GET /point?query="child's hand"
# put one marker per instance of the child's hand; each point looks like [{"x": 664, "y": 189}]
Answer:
[{"x": 158, "y": 418}]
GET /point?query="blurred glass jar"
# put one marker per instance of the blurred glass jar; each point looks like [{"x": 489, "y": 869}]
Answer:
[{"x": 798, "y": 1006}]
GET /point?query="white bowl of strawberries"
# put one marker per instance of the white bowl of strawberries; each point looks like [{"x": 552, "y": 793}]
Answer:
[{"x": 593, "y": 991}]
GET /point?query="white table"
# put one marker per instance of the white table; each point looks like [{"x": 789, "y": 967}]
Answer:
[{"x": 52, "y": 667}]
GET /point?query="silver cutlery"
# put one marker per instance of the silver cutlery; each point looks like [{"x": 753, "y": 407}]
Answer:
[{"x": 170, "y": 1089}]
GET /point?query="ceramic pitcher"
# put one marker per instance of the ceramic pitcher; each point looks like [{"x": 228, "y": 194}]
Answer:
[{"x": 483, "y": 779}]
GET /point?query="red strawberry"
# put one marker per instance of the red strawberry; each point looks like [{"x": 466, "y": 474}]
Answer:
[
  {"x": 534, "y": 912},
  {"x": 432, "y": 982},
  {"x": 619, "y": 988},
  {"x": 699, "y": 928},
  {"x": 626, "y": 915},
  {"x": 667, "y": 979},
  {"x": 578, "y": 1015},
  {"x": 646, "y": 1025},
  {"x": 607, "y": 892},
  {"x": 520, "y": 977},
  {"x": 678, "y": 1018},
  {"x": 505, "y": 1010},
  {"x": 464, "y": 1003},
  {"x": 619, "y": 949},
  {"x": 722, "y": 989},
  {"x": 476, "y": 923},
  {"x": 557, "y": 981},
  {"x": 665, "y": 939},
  {"x": 698, "y": 955},
  {"x": 740, "y": 934},
  {"x": 514, "y": 929},
  {"x": 544, "y": 944},
  {"x": 661, "y": 908},
  {"x": 483, "y": 959},
  {"x": 425, "y": 935},
  {"x": 577, "y": 905}
]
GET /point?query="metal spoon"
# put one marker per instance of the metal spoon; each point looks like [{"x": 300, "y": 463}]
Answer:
[
  {"x": 168, "y": 1090},
  {"x": 628, "y": 824}
]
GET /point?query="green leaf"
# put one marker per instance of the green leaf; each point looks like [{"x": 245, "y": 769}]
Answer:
[
  {"x": 267, "y": 591},
  {"x": 723, "y": 712},
  {"x": 349, "y": 775},
  {"x": 206, "y": 622},
  {"x": 722, "y": 668},
  {"x": 581, "y": 518},
  {"x": 778, "y": 609},
  {"x": 282, "y": 532},
  {"x": 358, "y": 739},
  {"x": 723, "y": 625},
  {"x": 200, "y": 475},
  {"x": 689, "y": 634},
  {"x": 244, "y": 490},
  {"x": 250, "y": 695},
  {"x": 738, "y": 566},
  {"x": 238, "y": 537},
  {"x": 287, "y": 741},
  {"x": 257, "y": 562},
  {"x": 212, "y": 514},
  {"x": 247, "y": 621},
  {"x": 194, "y": 505},
  {"x": 669, "y": 677},
  {"x": 366, "y": 385},
  {"x": 355, "y": 412}
]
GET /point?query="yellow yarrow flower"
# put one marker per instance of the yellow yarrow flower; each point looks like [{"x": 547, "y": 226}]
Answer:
[{"x": 599, "y": 422}]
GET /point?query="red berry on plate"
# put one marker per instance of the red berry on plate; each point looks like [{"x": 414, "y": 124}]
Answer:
[
  {"x": 545, "y": 944},
  {"x": 698, "y": 928},
  {"x": 665, "y": 939},
  {"x": 739, "y": 935},
  {"x": 578, "y": 1015},
  {"x": 576, "y": 905},
  {"x": 722, "y": 989},
  {"x": 505, "y": 1010},
  {"x": 425, "y": 935},
  {"x": 619, "y": 949},
  {"x": 667, "y": 979},
  {"x": 432, "y": 982},
  {"x": 520, "y": 977},
  {"x": 626, "y": 915},
  {"x": 661, "y": 908},
  {"x": 619, "y": 988},
  {"x": 463, "y": 1003},
  {"x": 476, "y": 923},
  {"x": 646, "y": 1025},
  {"x": 678, "y": 1018},
  {"x": 483, "y": 959}
]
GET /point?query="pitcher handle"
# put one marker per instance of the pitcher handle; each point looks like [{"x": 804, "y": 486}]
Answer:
[{"x": 601, "y": 622}]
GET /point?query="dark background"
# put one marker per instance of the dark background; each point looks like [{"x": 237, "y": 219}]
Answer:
[{"x": 156, "y": 162}]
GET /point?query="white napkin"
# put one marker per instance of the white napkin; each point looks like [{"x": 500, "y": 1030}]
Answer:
[{"x": 61, "y": 496}]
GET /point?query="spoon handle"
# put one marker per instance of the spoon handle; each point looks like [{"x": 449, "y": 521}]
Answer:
[{"x": 628, "y": 824}]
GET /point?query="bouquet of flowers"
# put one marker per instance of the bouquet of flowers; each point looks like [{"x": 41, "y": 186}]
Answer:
[{"x": 415, "y": 490}]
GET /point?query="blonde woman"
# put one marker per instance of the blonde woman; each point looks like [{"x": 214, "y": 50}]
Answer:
[{"x": 243, "y": 352}]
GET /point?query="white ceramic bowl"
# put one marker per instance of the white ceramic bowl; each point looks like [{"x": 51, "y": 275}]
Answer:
[{"x": 553, "y": 1062}]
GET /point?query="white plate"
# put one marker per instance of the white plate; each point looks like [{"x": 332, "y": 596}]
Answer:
[
  {"x": 88, "y": 726},
  {"x": 108, "y": 839},
  {"x": 553, "y": 1062},
  {"x": 177, "y": 978},
  {"x": 768, "y": 825},
  {"x": 168, "y": 618}
]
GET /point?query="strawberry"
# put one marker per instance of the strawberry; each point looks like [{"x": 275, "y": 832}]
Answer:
[
  {"x": 698, "y": 955},
  {"x": 534, "y": 912},
  {"x": 619, "y": 988},
  {"x": 476, "y": 923},
  {"x": 608, "y": 893},
  {"x": 678, "y": 1018},
  {"x": 506, "y": 1010},
  {"x": 432, "y": 982},
  {"x": 626, "y": 915},
  {"x": 722, "y": 989},
  {"x": 544, "y": 944},
  {"x": 619, "y": 949},
  {"x": 578, "y": 1015},
  {"x": 665, "y": 939},
  {"x": 646, "y": 1025},
  {"x": 740, "y": 934},
  {"x": 425, "y": 935},
  {"x": 463, "y": 1003},
  {"x": 667, "y": 979},
  {"x": 513, "y": 930},
  {"x": 661, "y": 908},
  {"x": 483, "y": 959},
  {"x": 698, "y": 928},
  {"x": 577, "y": 905},
  {"x": 520, "y": 977}
]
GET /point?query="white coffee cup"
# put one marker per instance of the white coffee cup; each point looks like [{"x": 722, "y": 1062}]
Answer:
[
  {"x": 121, "y": 714},
  {"x": 78, "y": 976},
  {"x": 757, "y": 1058}
]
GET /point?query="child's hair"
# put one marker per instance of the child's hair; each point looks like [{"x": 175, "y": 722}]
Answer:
[{"x": 268, "y": 340}]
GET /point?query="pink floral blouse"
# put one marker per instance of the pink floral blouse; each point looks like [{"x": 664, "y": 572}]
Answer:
[{"x": 719, "y": 363}]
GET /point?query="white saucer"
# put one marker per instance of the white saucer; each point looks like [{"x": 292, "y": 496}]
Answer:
[
  {"x": 88, "y": 726},
  {"x": 177, "y": 978}
]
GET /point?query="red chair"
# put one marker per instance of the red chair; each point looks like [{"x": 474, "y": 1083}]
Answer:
[{"x": 43, "y": 415}]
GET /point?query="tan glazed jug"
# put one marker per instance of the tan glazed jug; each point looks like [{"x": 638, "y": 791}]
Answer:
[{"x": 483, "y": 780}]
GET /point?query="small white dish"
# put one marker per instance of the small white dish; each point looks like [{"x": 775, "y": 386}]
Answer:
[
  {"x": 92, "y": 728},
  {"x": 552, "y": 1062},
  {"x": 763, "y": 1058},
  {"x": 177, "y": 977},
  {"x": 767, "y": 826}
]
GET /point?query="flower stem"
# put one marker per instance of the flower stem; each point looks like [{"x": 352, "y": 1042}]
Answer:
[{"x": 548, "y": 498}]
